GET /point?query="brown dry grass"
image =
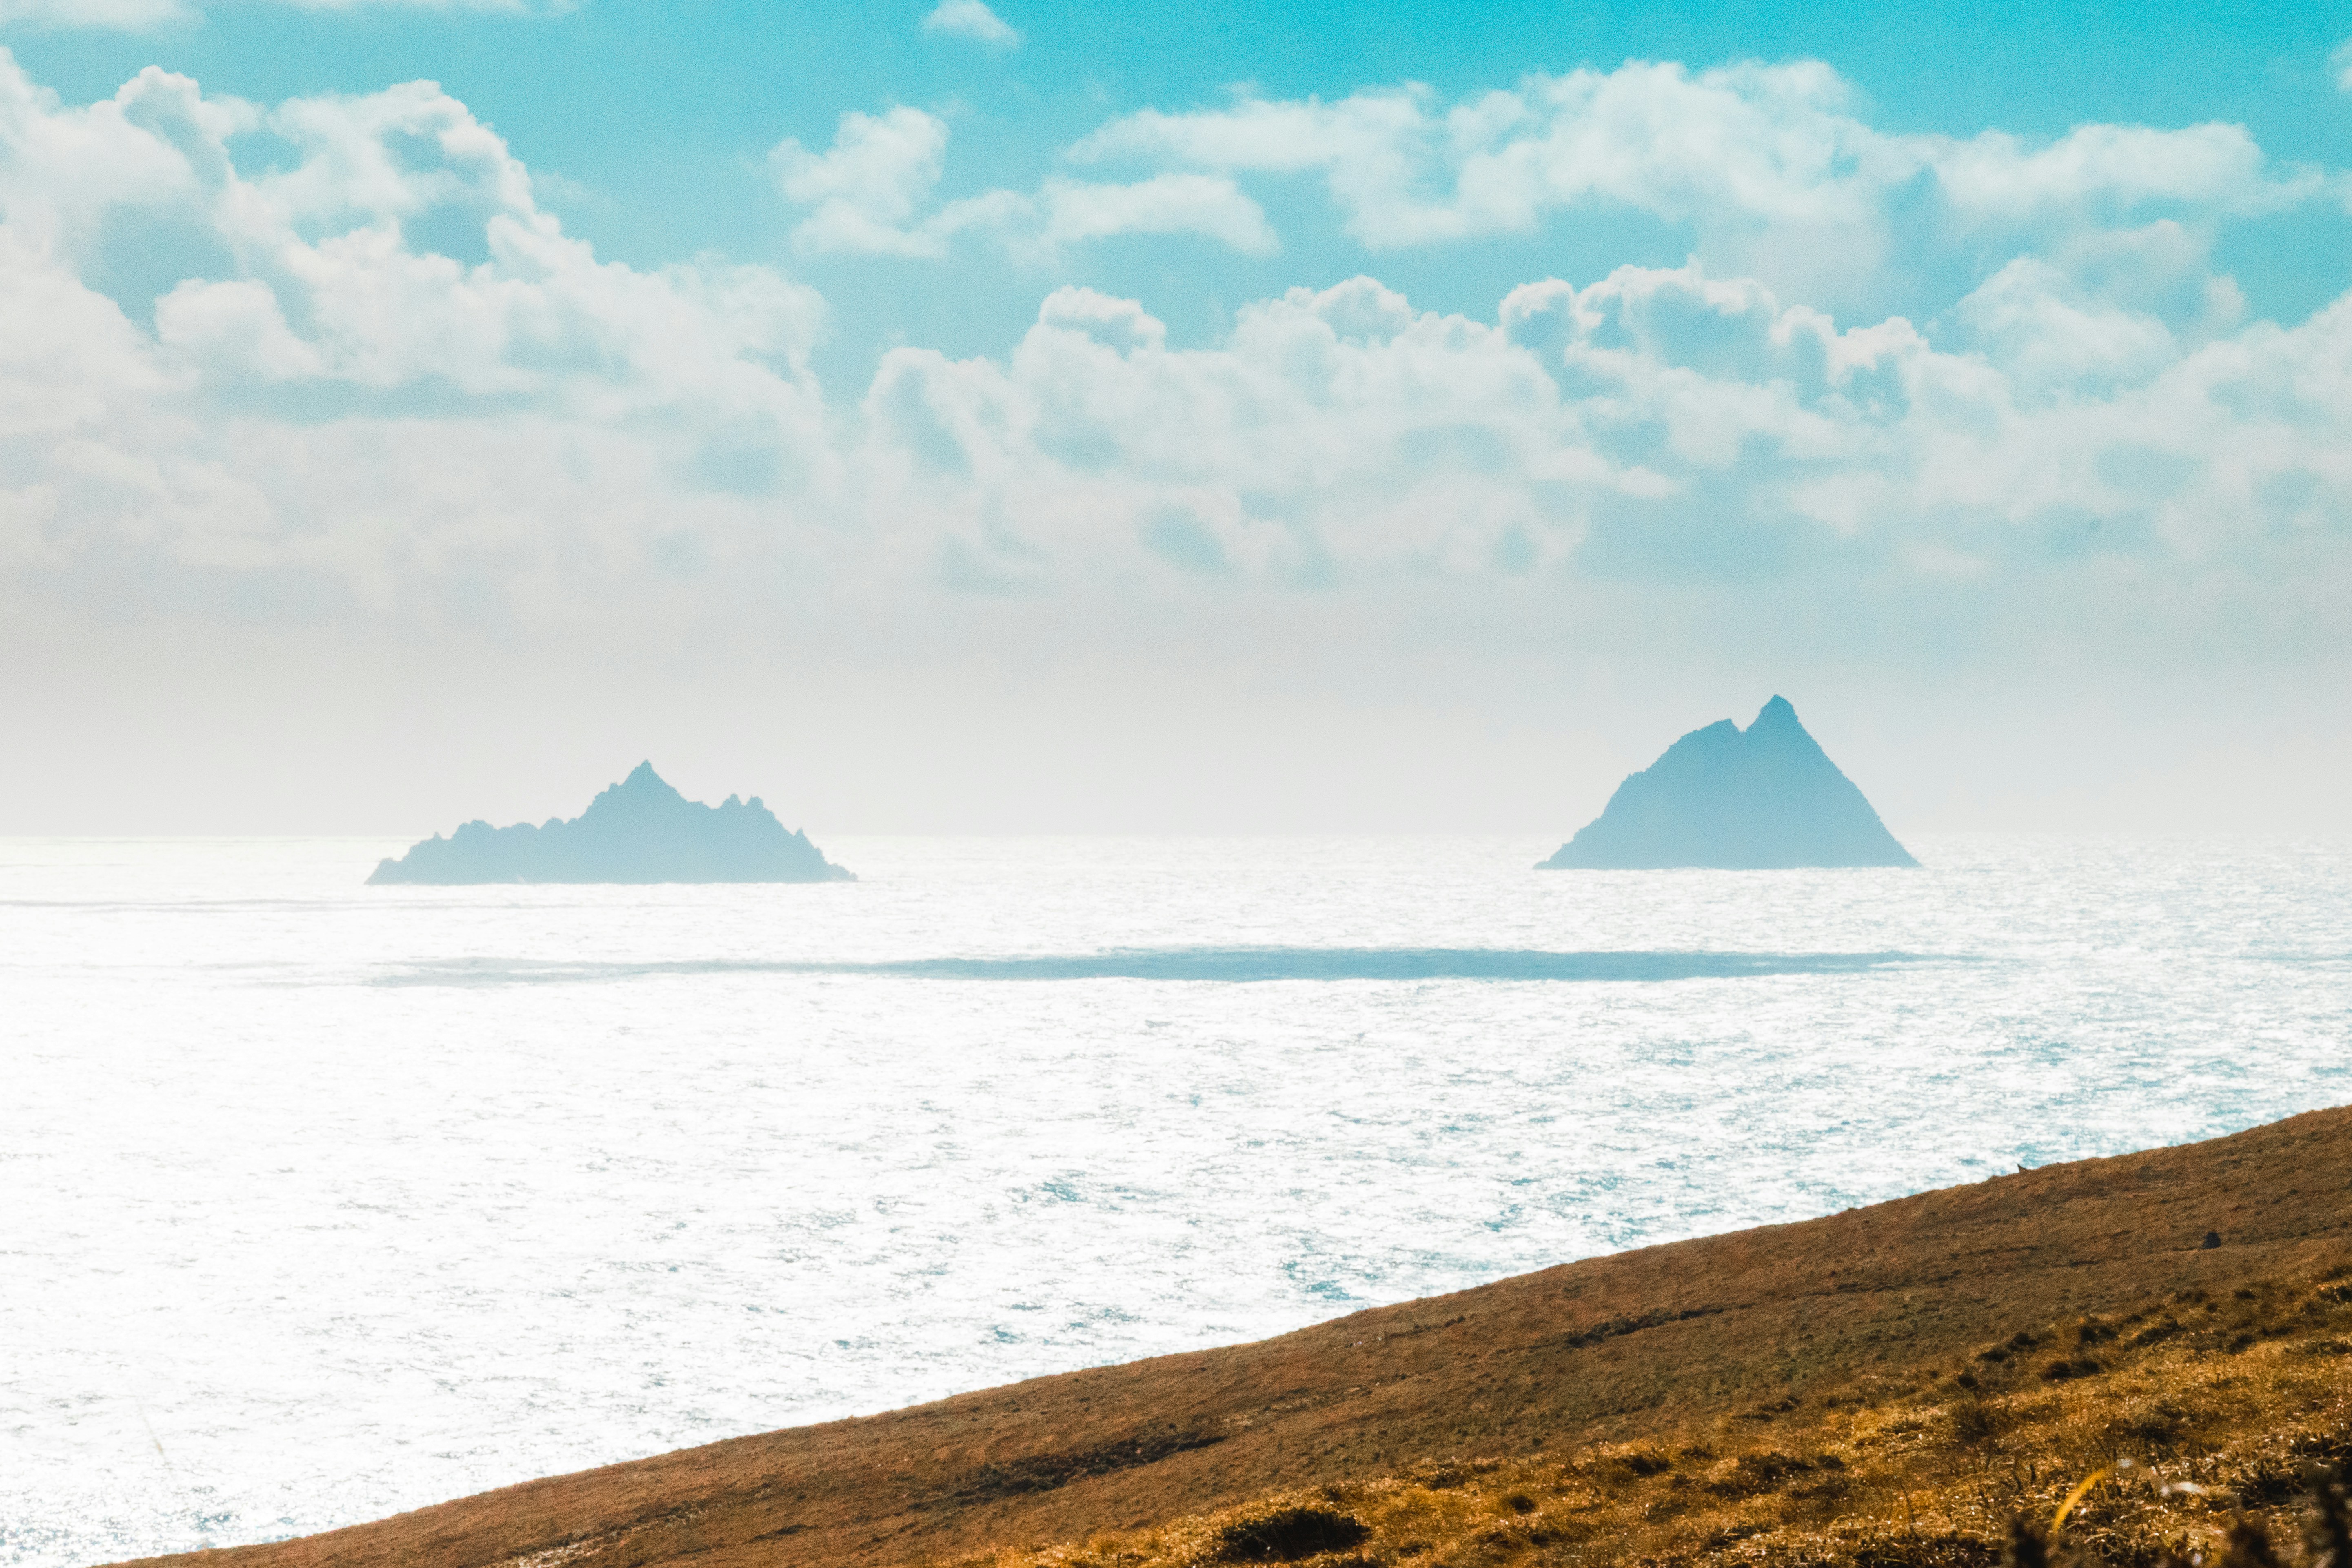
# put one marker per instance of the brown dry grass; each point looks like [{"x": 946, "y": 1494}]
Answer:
[
  {"x": 2198, "y": 1413},
  {"x": 1811, "y": 1341}
]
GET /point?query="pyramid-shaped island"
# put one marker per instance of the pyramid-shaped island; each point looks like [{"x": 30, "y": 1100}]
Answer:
[
  {"x": 640, "y": 830},
  {"x": 1766, "y": 797}
]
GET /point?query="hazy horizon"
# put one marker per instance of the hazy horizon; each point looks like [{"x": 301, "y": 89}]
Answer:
[{"x": 957, "y": 757}]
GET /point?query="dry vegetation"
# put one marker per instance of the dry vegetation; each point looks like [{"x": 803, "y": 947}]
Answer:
[
  {"x": 2197, "y": 1416},
  {"x": 1892, "y": 1385}
]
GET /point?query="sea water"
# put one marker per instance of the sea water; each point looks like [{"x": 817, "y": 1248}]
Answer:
[{"x": 320, "y": 1201}]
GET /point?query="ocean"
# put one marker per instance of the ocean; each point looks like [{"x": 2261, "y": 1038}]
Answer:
[{"x": 319, "y": 1202}]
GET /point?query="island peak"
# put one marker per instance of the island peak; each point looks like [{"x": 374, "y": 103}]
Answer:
[
  {"x": 1766, "y": 797},
  {"x": 638, "y": 830}
]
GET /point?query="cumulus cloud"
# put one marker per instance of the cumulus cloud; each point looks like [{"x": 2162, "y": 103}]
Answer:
[
  {"x": 972, "y": 19},
  {"x": 1074, "y": 210},
  {"x": 1658, "y": 424},
  {"x": 865, "y": 187},
  {"x": 327, "y": 369},
  {"x": 1769, "y": 168},
  {"x": 868, "y": 194},
  {"x": 377, "y": 380},
  {"x": 1335, "y": 434},
  {"x": 329, "y": 404}
]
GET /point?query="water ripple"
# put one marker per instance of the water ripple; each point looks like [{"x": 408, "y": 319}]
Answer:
[{"x": 1235, "y": 966}]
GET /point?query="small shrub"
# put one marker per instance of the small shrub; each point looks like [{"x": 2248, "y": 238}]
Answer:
[
  {"x": 1750, "y": 1475},
  {"x": 2062, "y": 1369},
  {"x": 1975, "y": 1421},
  {"x": 1639, "y": 1461},
  {"x": 1287, "y": 1534}
]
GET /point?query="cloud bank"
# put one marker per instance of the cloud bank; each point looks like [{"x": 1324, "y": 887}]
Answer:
[
  {"x": 330, "y": 364},
  {"x": 1749, "y": 149},
  {"x": 211, "y": 348},
  {"x": 1766, "y": 169}
]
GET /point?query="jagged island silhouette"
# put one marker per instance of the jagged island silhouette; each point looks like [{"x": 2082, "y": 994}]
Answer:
[
  {"x": 640, "y": 830},
  {"x": 1763, "y": 798}
]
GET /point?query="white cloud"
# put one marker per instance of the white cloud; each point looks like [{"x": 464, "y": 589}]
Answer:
[
  {"x": 237, "y": 329},
  {"x": 870, "y": 190},
  {"x": 2045, "y": 334},
  {"x": 2340, "y": 62},
  {"x": 365, "y": 388},
  {"x": 971, "y": 19},
  {"x": 382, "y": 385},
  {"x": 1637, "y": 427},
  {"x": 1336, "y": 434},
  {"x": 1768, "y": 168},
  {"x": 2112, "y": 168},
  {"x": 337, "y": 408},
  {"x": 67, "y": 355},
  {"x": 865, "y": 187},
  {"x": 1168, "y": 203}
]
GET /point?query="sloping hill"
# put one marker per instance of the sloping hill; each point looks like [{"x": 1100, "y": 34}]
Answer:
[
  {"x": 1605, "y": 1349},
  {"x": 2200, "y": 1430}
]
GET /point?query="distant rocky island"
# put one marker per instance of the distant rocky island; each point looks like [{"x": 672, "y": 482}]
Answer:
[
  {"x": 1766, "y": 797},
  {"x": 640, "y": 830}
]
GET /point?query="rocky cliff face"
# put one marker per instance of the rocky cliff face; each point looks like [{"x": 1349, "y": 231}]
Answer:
[
  {"x": 640, "y": 830},
  {"x": 1733, "y": 799}
]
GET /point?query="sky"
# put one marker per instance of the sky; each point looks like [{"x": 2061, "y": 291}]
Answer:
[{"x": 948, "y": 418}]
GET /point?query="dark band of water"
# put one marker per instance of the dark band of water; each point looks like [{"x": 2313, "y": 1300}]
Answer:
[{"x": 1228, "y": 966}]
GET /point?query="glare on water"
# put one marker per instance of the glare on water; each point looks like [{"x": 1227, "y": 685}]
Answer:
[{"x": 319, "y": 1200}]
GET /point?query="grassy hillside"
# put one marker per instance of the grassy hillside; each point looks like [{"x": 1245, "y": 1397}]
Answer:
[
  {"x": 1802, "y": 1390},
  {"x": 2187, "y": 1418}
]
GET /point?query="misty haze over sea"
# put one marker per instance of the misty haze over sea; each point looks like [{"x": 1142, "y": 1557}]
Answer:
[
  {"x": 327, "y": 1201},
  {"x": 1010, "y": 426}
]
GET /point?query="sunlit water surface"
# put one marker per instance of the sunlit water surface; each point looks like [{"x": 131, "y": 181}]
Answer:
[{"x": 319, "y": 1200}]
